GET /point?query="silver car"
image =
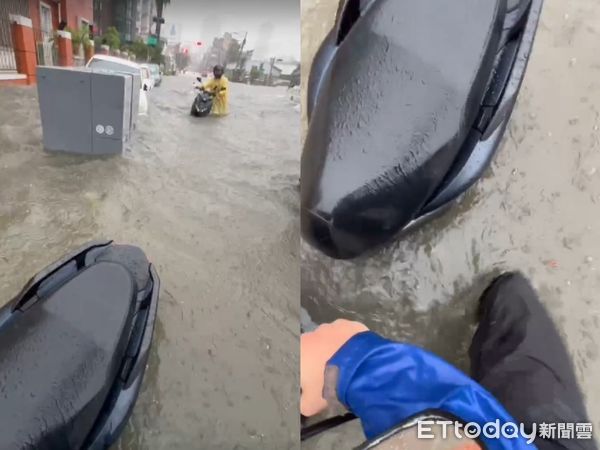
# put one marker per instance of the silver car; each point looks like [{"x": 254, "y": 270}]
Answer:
[{"x": 154, "y": 73}]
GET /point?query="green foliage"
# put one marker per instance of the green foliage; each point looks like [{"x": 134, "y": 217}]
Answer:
[
  {"x": 156, "y": 55},
  {"x": 254, "y": 73},
  {"x": 112, "y": 38},
  {"x": 139, "y": 49},
  {"x": 145, "y": 53},
  {"x": 79, "y": 36}
]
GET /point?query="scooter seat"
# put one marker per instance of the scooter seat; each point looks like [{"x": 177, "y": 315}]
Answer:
[
  {"x": 59, "y": 357},
  {"x": 397, "y": 102}
]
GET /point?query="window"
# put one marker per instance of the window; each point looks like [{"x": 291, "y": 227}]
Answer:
[{"x": 46, "y": 21}]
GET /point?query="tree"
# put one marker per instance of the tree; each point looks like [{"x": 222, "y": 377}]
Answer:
[
  {"x": 145, "y": 52},
  {"x": 156, "y": 55},
  {"x": 160, "y": 4},
  {"x": 140, "y": 50},
  {"x": 112, "y": 38},
  {"x": 254, "y": 74}
]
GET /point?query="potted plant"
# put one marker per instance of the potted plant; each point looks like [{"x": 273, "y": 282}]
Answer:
[
  {"x": 79, "y": 39},
  {"x": 111, "y": 41}
]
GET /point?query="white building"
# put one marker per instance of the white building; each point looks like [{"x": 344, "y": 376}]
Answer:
[
  {"x": 284, "y": 69},
  {"x": 172, "y": 31}
]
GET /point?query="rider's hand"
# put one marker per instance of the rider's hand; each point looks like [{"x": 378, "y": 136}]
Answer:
[{"x": 316, "y": 348}]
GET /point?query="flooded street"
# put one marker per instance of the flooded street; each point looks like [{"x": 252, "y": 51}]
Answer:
[
  {"x": 214, "y": 204},
  {"x": 537, "y": 210}
]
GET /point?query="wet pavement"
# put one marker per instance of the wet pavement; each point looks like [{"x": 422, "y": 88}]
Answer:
[
  {"x": 214, "y": 203},
  {"x": 537, "y": 210}
]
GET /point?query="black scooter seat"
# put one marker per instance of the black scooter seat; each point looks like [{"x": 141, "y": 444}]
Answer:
[
  {"x": 418, "y": 72},
  {"x": 77, "y": 335},
  {"x": 74, "y": 345}
]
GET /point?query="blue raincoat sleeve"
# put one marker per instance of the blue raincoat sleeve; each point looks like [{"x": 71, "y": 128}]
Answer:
[{"x": 385, "y": 382}]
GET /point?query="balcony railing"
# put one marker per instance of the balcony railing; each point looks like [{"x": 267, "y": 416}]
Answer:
[{"x": 7, "y": 54}]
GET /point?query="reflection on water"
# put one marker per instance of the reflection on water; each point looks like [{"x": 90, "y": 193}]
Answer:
[
  {"x": 537, "y": 210},
  {"x": 214, "y": 204}
]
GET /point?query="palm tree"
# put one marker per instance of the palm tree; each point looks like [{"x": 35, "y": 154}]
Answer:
[{"x": 160, "y": 4}]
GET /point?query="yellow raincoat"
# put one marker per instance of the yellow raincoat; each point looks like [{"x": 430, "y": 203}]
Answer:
[{"x": 221, "y": 101}]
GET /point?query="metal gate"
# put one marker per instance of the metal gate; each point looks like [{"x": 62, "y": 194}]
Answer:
[
  {"x": 7, "y": 54},
  {"x": 44, "y": 37}
]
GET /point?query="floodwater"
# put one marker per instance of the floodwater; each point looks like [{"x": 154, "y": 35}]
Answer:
[
  {"x": 537, "y": 210},
  {"x": 214, "y": 203}
]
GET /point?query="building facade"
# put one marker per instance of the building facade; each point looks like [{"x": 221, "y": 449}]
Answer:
[
  {"x": 46, "y": 17},
  {"x": 103, "y": 13},
  {"x": 146, "y": 11},
  {"x": 217, "y": 53},
  {"x": 121, "y": 14},
  {"x": 76, "y": 13}
]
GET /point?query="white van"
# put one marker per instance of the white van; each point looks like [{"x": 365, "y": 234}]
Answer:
[{"x": 106, "y": 62}]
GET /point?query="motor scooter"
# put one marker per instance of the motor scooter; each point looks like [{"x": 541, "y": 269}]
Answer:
[{"x": 203, "y": 102}]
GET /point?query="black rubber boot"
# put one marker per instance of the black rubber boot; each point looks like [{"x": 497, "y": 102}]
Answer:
[{"x": 519, "y": 356}]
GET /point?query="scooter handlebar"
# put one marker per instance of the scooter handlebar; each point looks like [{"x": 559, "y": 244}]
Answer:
[{"x": 213, "y": 93}]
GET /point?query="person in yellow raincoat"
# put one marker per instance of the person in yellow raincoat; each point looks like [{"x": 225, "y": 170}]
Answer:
[{"x": 219, "y": 86}]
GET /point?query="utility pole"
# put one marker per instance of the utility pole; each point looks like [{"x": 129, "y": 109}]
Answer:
[
  {"x": 271, "y": 72},
  {"x": 238, "y": 74},
  {"x": 242, "y": 51},
  {"x": 159, "y": 19},
  {"x": 273, "y": 61}
]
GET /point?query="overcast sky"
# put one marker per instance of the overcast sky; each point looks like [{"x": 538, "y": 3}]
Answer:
[{"x": 273, "y": 26}]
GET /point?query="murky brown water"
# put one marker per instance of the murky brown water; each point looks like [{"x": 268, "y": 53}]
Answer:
[
  {"x": 214, "y": 204},
  {"x": 537, "y": 210}
]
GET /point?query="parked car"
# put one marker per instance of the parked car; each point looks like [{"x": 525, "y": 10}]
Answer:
[
  {"x": 106, "y": 62},
  {"x": 156, "y": 75},
  {"x": 147, "y": 75}
]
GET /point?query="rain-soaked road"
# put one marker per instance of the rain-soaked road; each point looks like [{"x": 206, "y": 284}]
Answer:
[
  {"x": 537, "y": 210},
  {"x": 214, "y": 203}
]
